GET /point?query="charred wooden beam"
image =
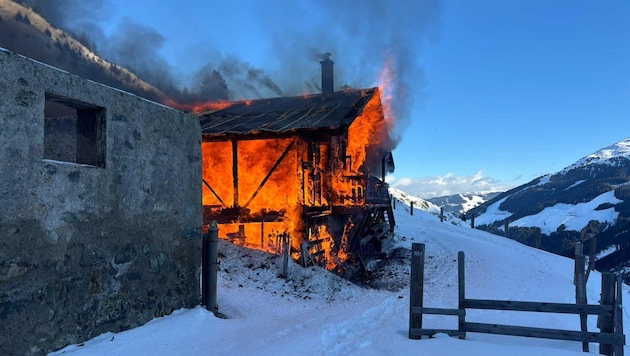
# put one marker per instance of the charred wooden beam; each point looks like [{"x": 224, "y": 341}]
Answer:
[
  {"x": 213, "y": 192},
  {"x": 235, "y": 170},
  {"x": 275, "y": 166}
]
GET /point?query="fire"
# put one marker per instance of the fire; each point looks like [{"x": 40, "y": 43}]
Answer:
[
  {"x": 200, "y": 107},
  {"x": 259, "y": 189}
]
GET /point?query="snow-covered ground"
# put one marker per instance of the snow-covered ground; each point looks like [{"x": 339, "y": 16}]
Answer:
[{"x": 314, "y": 312}]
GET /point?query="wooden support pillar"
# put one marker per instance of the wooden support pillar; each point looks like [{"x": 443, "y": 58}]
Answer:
[{"x": 235, "y": 171}]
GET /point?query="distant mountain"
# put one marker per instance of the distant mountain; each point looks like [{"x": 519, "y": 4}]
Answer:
[
  {"x": 591, "y": 197},
  {"x": 25, "y": 32},
  {"x": 418, "y": 203},
  {"x": 460, "y": 203}
]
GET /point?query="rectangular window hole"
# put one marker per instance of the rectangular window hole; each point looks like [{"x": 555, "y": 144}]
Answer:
[{"x": 74, "y": 131}]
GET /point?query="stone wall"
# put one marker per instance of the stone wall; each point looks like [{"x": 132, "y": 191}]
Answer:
[{"x": 91, "y": 248}]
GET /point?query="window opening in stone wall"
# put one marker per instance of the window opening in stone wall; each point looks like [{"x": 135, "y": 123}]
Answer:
[{"x": 74, "y": 131}]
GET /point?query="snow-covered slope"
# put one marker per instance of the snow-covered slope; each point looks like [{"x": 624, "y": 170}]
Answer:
[
  {"x": 607, "y": 155},
  {"x": 313, "y": 312},
  {"x": 458, "y": 204},
  {"x": 25, "y": 32},
  {"x": 418, "y": 203},
  {"x": 593, "y": 192}
]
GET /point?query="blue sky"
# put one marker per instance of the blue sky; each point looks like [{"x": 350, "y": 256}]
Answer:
[{"x": 490, "y": 94}]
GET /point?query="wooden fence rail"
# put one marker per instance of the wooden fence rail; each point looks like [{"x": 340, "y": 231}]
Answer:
[{"x": 611, "y": 337}]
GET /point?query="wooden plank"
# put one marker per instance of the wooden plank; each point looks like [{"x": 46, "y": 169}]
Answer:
[
  {"x": 543, "y": 333},
  {"x": 436, "y": 311},
  {"x": 543, "y": 307},
  {"x": 419, "y": 333},
  {"x": 417, "y": 283}
]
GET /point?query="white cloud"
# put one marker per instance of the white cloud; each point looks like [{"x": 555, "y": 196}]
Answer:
[{"x": 449, "y": 184}]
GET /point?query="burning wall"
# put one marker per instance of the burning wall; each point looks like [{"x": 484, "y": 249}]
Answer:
[{"x": 285, "y": 164}]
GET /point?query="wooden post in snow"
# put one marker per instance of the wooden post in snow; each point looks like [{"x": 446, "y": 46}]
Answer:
[
  {"x": 606, "y": 323},
  {"x": 411, "y": 208},
  {"x": 286, "y": 246},
  {"x": 441, "y": 214},
  {"x": 472, "y": 221},
  {"x": 580, "y": 287},
  {"x": 417, "y": 286},
  {"x": 461, "y": 282},
  {"x": 507, "y": 228}
]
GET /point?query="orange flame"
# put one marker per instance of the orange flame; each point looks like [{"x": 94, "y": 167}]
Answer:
[{"x": 200, "y": 107}]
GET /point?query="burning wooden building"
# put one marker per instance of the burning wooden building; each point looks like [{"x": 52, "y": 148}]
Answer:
[{"x": 301, "y": 167}]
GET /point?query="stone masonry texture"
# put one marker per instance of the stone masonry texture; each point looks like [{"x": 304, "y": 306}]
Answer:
[{"x": 87, "y": 249}]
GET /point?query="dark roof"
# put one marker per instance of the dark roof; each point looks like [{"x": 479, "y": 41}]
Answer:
[{"x": 276, "y": 115}]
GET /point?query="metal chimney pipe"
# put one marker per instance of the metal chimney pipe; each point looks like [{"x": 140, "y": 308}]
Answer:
[{"x": 328, "y": 86}]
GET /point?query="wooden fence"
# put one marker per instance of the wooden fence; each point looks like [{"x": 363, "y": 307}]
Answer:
[{"x": 609, "y": 312}]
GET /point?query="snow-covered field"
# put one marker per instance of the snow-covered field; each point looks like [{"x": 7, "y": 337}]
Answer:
[{"x": 314, "y": 312}]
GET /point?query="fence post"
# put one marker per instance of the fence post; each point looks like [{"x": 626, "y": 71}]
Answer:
[
  {"x": 461, "y": 295},
  {"x": 580, "y": 287},
  {"x": 417, "y": 286},
  {"x": 411, "y": 208},
  {"x": 472, "y": 221},
  {"x": 209, "y": 268},
  {"x": 507, "y": 228},
  {"x": 286, "y": 246},
  {"x": 618, "y": 316},
  {"x": 441, "y": 214},
  {"x": 394, "y": 201},
  {"x": 606, "y": 323}
]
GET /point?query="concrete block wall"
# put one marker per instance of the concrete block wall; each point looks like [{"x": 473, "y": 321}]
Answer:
[{"x": 86, "y": 249}]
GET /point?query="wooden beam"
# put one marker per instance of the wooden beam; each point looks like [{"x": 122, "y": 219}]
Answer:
[
  {"x": 273, "y": 168},
  {"x": 235, "y": 171},
  {"x": 213, "y": 192},
  {"x": 436, "y": 311},
  {"x": 544, "y": 333},
  {"x": 562, "y": 308}
]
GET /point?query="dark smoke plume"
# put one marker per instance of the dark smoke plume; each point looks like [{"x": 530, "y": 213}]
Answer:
[{"x": 361, "y": 34}]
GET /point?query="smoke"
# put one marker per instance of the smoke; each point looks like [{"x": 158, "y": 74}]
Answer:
[{"x": 362, "y": 36}]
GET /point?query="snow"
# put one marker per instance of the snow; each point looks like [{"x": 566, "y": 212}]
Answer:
[
  {"x": 574, "y": 217},
  {"x": 575, "y": 184},
  {"x": 314, "y": 312},
  {"x": 471, "y": 201},
  {"x": 603, "y": 156},
  {"x": 493, "y": 213}
]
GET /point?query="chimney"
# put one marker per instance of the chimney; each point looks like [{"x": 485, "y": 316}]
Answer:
[{"x": 328, "y": 85}]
